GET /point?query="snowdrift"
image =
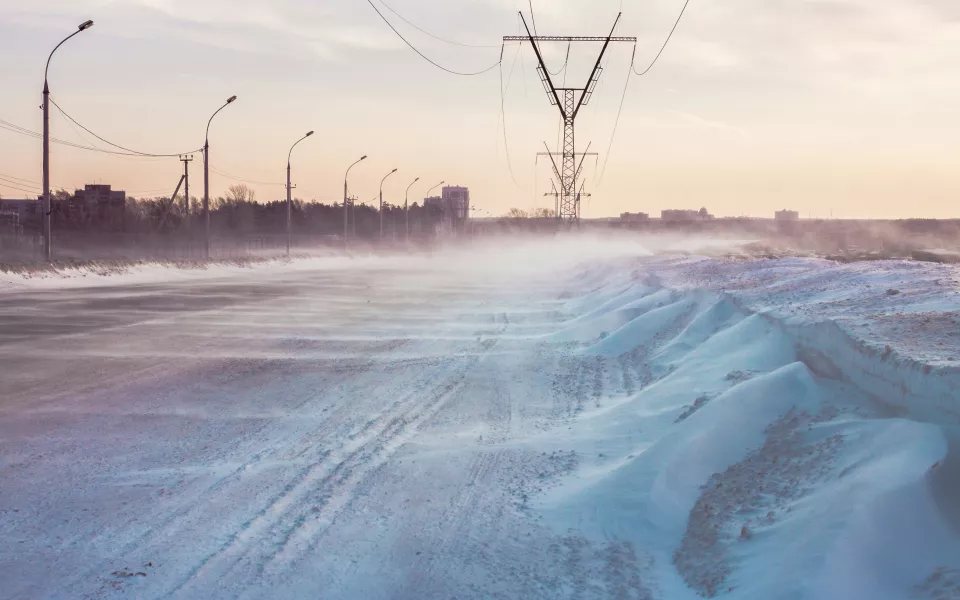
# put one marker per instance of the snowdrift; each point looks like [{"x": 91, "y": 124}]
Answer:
[{"x": 782, "y": 445}]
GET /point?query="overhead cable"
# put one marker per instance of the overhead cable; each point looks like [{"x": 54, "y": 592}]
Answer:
[
  {"x": 566, "y": 61},
  {"x": 425, "y": 32},
  {"x": 424, "y": 56},
  {"x": 241, "y": 180},
  {"x": 627, "y": 83},
  {"x": 6, "y": 125},
  {"x": 108, "y": 142},
  {"x": 533, "y": 19},
  {"x": 667, "y": 41},
  {"x": 616, "y": 123},
  {"x": 18, "y": 188},
  {"x": 503, "y": 118},
  {"x": 18, "y": 179},
  {"x": 223, "y": 173}
]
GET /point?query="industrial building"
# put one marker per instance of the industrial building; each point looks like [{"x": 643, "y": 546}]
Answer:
[
  {"x": 787, "y": 215},
  {"x": 638, "y": 216}
]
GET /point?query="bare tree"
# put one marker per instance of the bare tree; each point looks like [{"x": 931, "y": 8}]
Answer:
[
  {"x": 517, "y": 213},
  {"x": 543, "y": 213},
  {"x": 240, "y": 193}
]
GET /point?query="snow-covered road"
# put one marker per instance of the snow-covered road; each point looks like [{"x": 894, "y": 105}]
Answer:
[{"x": 495, "y": 426}]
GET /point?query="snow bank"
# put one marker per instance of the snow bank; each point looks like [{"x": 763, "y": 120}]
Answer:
[{"x": 790, "y": 442}]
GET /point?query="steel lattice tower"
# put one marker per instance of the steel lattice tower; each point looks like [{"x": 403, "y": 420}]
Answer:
[{"x": 568, "y": 196}]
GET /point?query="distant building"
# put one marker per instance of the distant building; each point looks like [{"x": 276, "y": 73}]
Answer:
[
  {"x": 454, "y": 202},
  {"x": 675, "y": 215},
  {"x": 26, "y": 209},
  {"x": 96, "y": 195},
  {"x": 638, "y": 216},
  {"x": 99, "y": 203},
  {"x": 787, "y": 215}
]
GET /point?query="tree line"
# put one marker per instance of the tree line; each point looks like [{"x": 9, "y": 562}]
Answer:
[{"x": 236, "y": 213}]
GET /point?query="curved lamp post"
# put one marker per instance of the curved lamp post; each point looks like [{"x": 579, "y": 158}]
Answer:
[
  {"x": 206, "y": 176},
  {"x": 406, "y": 208},
  {"x": 433, "y": 188},
  {"x": 347, "y": 174},
  {"x": 381, "y": 201},
  {"x": 427, "y": 195},
  {"x": 289, "y": 201},
  {"x": 47, "y": 208}
]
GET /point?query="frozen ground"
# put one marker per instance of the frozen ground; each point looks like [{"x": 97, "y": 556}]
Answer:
[{"x": 565, "y": 419}]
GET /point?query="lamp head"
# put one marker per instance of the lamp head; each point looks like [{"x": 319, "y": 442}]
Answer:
[
  {"x": 393, "y": 171},
  {"x": 231, "y": 99},
  {"x": 416, "y": 180},
  {"x": 85, "y": 25},
  {"x": 309, "y": 133},
  {"x": 364, "y": 157}
]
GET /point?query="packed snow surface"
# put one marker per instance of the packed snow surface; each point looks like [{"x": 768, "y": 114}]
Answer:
[{"x": 573, "y": 418}]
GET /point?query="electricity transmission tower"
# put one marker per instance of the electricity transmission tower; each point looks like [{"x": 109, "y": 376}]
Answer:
[
  {"x": 568, "y": 101},
  {"x": 576, "y": 177}
]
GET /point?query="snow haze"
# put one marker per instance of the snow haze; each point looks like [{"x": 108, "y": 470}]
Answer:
[{"x": 564, "y": 417}]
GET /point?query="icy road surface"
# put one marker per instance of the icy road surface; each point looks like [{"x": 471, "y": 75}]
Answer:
[{"x": 504, "y": 426}]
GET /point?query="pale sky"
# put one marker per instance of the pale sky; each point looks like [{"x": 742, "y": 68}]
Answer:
[{"x": 842, "y": 107}]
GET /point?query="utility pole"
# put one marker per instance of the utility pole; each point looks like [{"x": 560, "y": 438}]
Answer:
[
  {"x": 186, "y": 159},
  {"x": 568, "y": 101}
]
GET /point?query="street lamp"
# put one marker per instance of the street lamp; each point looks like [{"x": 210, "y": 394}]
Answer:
[
  {"x": 427, "y": 195},
  {"x": 47, "y": 207},
  {"x": 381, "y": 201},
  {"x": 347, "y": 174},
  {"x": 206, "y": 176},
  {"x": 406, "y": 208},
  {"x": 289, "y": 201},
  {"x": 433, "y": 188}
]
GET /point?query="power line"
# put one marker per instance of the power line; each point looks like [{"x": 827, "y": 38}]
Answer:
[
  {"x": 503, "y": 117},
  {"x": 6, "y": 125},
  {"x": 616, "y": 123},
  {"x": 436, "y": 37},
  {"x": 533, "y": 19},
  {"x": 108, "y": 142},
  {"x": 143, "y": 194},
  {"x": 503, "y": 112},
  {"x": 11, "y": 182},
  {"x": 97, "y": 147},
  {"x": 240, "y": 179},
  {"x": 17, "y": 129},
  {"x": 424, "y": 56},
  {"x": 18, "y": 179},
  {"x": 667, "y": 41},
  {"x": 566, "y": 61},
  {"x": 19, "y": 189},
  {"x": 633, "y": 71}
]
